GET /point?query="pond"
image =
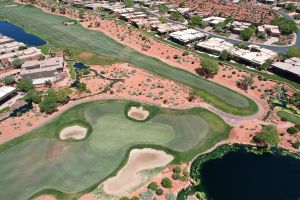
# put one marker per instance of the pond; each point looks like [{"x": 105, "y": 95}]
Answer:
[
  {"x": 79, "y": 66},
  {"x": 247, "y": 176},
  {"x": 19, "y": 34}
]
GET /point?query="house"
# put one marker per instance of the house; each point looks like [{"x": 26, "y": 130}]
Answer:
[
  {"x": 237, "y": 26},
  {"x": 31, "y": 53},
  {"x": 40, "y": 71},
  {"x": 253, "y": 55},
  {"x": 4, "y": 39},
  {"x": 213, "y": 21},
  {"x": 290, "y": 66},
  {"x": 145, "y": 22},
  {"x": 166, "y": 28},
  {"x": 188, "y": 36},
  {"x": 7, "y": 92},
  {"x": 272, "y": 30},
  {"x": 10, "y": 47}
]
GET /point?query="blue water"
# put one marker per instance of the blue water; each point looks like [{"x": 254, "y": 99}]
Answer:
[
  {"x": 79, "y": 66},
  {"x": 247, "y": 176},
  {"x": 18, "y": 34}
]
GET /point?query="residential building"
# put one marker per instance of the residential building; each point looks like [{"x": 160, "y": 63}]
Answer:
[
  {"x": 166, "y": 28},
  {"x": 10, "y": 47},
  {"x": 237, "y": 26},
  {"x": 253, "y": 54},
  {"x": 4, "y": 39},
  {"x": 7, "y": 92},
  {"x": 290, "y": 66},
  {"x": 31, "y": 53},
  {"x": 188, "y": 36},
  {"x": 43, "y": 70},
  {"x": 272, "y": 30},
  {"x": 213, "y": 20}
]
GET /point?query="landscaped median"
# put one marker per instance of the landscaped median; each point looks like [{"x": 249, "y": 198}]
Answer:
[
  {"x": 51, "y": 28},
  {"x": 83, "y": 164}
]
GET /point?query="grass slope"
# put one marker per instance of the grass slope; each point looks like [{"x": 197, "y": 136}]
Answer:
[
  {"x": 75, "y": 167},
  {"x": 50, "y": 27},
  {"x": 289, "y": 116}
]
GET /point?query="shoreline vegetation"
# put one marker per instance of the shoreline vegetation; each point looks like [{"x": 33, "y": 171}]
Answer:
[
  {"x": 219, "y": 96},
  {"x": 218, "y": 152}
]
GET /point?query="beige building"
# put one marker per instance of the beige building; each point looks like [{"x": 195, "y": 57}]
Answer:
[
  {"x": 43, "y": 70},
  {"x": 31, "y": 53}
]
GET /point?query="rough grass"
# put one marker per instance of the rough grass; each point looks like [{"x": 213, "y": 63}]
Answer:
[
  {"x": 289, "y": 116},
  {"x": 68, "y": 169},
  {"x": 50, "y": 27}
]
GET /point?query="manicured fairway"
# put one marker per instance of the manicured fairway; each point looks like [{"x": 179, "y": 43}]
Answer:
[
  {"x": 39, "y": 160},
  {"x": 290, "y": 117},
  {"x": 51, "y": 28}
]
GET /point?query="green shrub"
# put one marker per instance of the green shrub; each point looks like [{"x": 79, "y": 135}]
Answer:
[
  {"x": 159, "y": 191},
  {"x": 175, "y": 176},
  {"x": 292, "y": 130},
  {"x": 152, "y": 186},
  {"x": 166, "y": 183},
  {"x": 177, "y": 170},
  {"x": 124, "y": 198},
  {"x": 134, "y": 198},
  {"x": 296, "y": 145}
]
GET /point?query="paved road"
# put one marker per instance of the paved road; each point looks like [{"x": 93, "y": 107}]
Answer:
[{"x": 278, "y": 49}]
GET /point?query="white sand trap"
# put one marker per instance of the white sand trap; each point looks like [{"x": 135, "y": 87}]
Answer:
[
  {"x": 76, "y": 132},
  {"x": 129, "y": 177},
  {"x": 138, "y": 113},
  {"x": 12, "y": 5}
]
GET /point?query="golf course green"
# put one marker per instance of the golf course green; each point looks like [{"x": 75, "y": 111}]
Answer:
[
  {"x": 50, "y": 27},
  {"x": 40, "y": 160}
]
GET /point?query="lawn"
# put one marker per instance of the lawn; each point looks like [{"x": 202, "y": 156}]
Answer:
[
  {"x": 50, "y": 27},
  {"x": 39, "y": 161},
  {"x": 295, "y": 119}
]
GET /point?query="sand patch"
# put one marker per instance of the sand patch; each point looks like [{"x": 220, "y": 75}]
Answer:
[
  {"x": 86, "y": 55},
  {"x": 12, "y": 5},
  {"x": 129, "y": 176},
  {"x": 138, "y": 113},
  {"x": 45, "y": 197},
  {"x": 76, "y": 132}
]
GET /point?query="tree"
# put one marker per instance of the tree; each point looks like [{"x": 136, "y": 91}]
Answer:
[
  {"x": 33, "y": 96},
  {"x": 25, "y": 84},
  {"x": 176, "y": 16},
  {"x": 17, "y": 62},
  {"x": 266, "y": 64},
  {"x": 246, "y": 34},
  {"x": 291, "y": 7},
  {"x": 295, "y": 100},
  {"x": 62, "y": 95},
  {"x": 8, "y": 80},
  {"x": 292, "y": 130},
  {"x": 225, "y": 55},
  {"x": 177, "y": 170},
  {"x": 152, "y": 186},
  {"x": 268, "y": 135},
  {"x": 195, "y": 21},
  {"x": 128, "y": 3},
  {"x": 62, "y": 10},
  {"x": 124, "y": 198},
  {"x": 163, "y": 19},
  {"x": 209, "y": 68},
  {"x": 49, "y": 103},
  {"x": 22, "y": 48},
  {"x": 293, "y": 52},
  {"x": 228, "y": 20},
  {"x": 166, "y": 183},
  {"x": 245, "y": 83},
  {"x": 134, "y": 198},
  {"x": 159, "y": 191},
  {"x": 286, "y": 26},
  {"x": 163, "y": 9},
  {"x": 181, "y": 4},
  {"x": 97, "y": 24}
]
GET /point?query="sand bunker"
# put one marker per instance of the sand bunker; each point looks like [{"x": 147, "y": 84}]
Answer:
[
  {"x": 128, "y": 177},
  {"x": 138, "y": 113},
  {"x": 76, "y": 132}
]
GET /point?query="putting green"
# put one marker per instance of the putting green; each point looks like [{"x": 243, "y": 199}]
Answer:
[
  {"x": 50, "y": 27},
  {"x": 39, "y": 160}
]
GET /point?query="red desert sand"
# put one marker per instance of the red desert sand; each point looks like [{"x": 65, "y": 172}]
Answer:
[
  {"x": 128, "y": 177},
  {"x": 76, "y": 132}
]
